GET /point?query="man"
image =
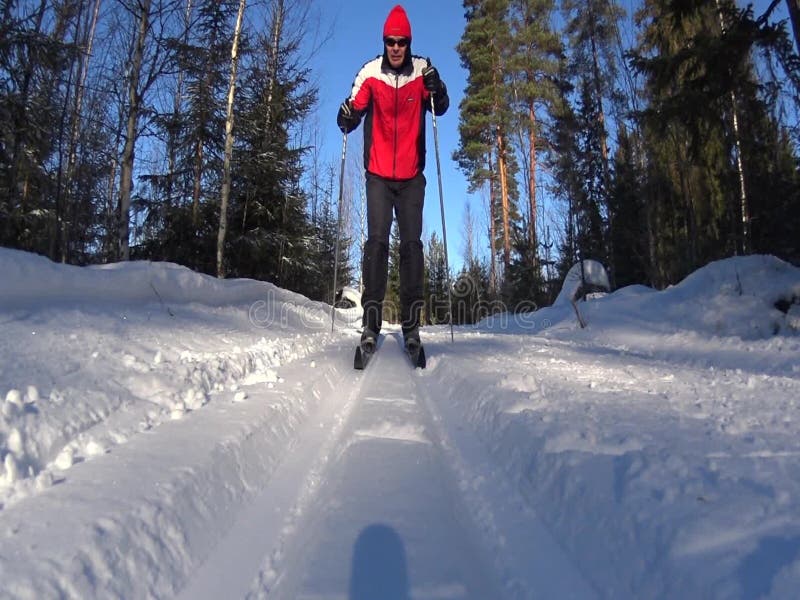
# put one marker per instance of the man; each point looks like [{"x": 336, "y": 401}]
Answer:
[{"x": 394, "y": 92}]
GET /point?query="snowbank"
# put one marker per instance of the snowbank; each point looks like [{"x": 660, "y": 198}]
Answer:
[
  {"x": 92, "y": 356},
  {"x": 751, "y": 297}
]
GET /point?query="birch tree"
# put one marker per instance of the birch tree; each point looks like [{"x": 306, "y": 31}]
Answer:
[
  {"x": 146, "y": 63},
  {"x": 141, "y": 14},
  {"x": 226, "y": 165}
]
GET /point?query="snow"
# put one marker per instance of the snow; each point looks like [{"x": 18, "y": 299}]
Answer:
[
  {"x": 589, "y": 271},
  {"x": 169, "y": 434}
]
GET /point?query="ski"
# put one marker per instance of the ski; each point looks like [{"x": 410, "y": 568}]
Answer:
[
  {"x": 364, "y": 353},
  {"x": 417, "y": 357},
  {"x": 361, "y": 359}
]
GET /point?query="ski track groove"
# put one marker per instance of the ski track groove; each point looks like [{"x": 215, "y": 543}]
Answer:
[
  {"x": 284, "y": 549},
  {"x": 496, "y": 526},
  {"x": 500, "y": 520},
  {"x": 264, "y": 527},
  {"x": 279, "y": 577}
]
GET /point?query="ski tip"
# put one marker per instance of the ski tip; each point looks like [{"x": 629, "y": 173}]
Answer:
[
  {"x": 361, "y": 358},
  {"x": 421, "y": 361},
  {"x": 358, "y": 360},
  {"x": 417, "y": 358}
]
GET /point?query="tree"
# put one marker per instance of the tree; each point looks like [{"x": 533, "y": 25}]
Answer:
[
  {"x": 592, "y": 69},
  {"x": 485, "y": 153},
  {"x": 524, "y": 283},
  {"x": 626, "y": 202},
  {"x": 699, "y": 70},
  {"x": 226, "y": 164},
  {"x": 272, "y": 237},
  {"x": 391, "y": 302},
  {"x": 576, "y": 165},
  {"x": 192, "y": 130},
  {"x": 794, "y": 15},
  {"x": 36, "y": 55},
  {"x": 70, "y": 225},
  {"x": 436, "y": 298},
  {"x": 145, "y": 65},
  {"x": 320, "y": 284},
  {"x": 533, "y": 64}
]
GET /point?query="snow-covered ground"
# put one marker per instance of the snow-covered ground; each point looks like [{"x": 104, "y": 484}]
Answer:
[{"x": 167, "y": 434}]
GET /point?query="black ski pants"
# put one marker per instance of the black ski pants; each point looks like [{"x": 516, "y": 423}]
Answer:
[{"x": 406, "y": 198}]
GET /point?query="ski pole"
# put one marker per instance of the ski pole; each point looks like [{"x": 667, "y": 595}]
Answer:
[
  {"x": 441, "y": 204},
  {"x": 338, "y": 231},
  {"x": 579, "y": 254}
]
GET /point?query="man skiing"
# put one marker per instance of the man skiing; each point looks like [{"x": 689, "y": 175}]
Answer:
[{"x": 393, "y": 91}]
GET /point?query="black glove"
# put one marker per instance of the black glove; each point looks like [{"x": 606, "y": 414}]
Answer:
[
  {"x": 348, "y": 118},
  {"x": 431, "y": 79}
]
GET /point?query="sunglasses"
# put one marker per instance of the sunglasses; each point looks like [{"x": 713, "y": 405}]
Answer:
[{"x": 391, "y": 42}]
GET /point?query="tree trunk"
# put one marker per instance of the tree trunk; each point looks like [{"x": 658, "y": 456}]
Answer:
[
  {"x": 502, "y": 168},
  {"x": 492, "y": 231},
  {"x": 20, "y": 119},
  {"x": 172, "y": 143},
  {"x": 58, "y": 243},
  {"x": 226, "y": 164},
  {"x": 277, "y": 29},
  {"x": 744, "y": 211},
  {"x": 501, "y": 165},
  {"x": 197, "y": 186},
  {"x": 532, "y": 181},
  {"x": 128, "y": 152},
  {"x": 75, "y": 125},
  {"x": 794, "y": 16}
]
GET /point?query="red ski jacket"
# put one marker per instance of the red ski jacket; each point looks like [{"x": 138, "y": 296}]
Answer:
[{"x": 394, "y": 129}]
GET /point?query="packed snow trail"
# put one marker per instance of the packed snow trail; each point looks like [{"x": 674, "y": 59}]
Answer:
[
  {"x": 392, "y": 519},
  {"x": 377, "y": 513},
  {"x": 385, "y": 499},
  {"x": 384, "y": 489},
  {"x": 229, "y": 570}
]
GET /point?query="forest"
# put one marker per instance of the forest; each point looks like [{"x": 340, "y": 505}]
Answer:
[{"x": 169, "y": 130}]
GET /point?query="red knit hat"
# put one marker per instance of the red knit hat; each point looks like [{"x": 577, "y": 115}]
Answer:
[{"x": 397, "y": 23}]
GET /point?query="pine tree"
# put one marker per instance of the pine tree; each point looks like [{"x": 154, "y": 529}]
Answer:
[
  {"x": 533, "y": 64},
  {"x": 485, "y": 153},
  {"x": 436, "y": 298},
  {"x": 629, "y": 234},
  {"x": 699, "y": 182},
  {"x": 193, "y": 132},
  {"x": 577, "y": 171},
  {"x": 591, "y": 29},
  {"x": 772, "y": 170},
  {"x": 320, "y": 282},
  {"x": 524, "y": 282},
  {"x": 271, "y": 233},
  {"x": 391, "y": 302},
  {"x": 37, "y": 56},
  {"x": 473, "y": 299}
]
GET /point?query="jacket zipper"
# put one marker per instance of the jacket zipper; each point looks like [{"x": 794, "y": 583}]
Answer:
[{"x": 396, "y": 116}]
